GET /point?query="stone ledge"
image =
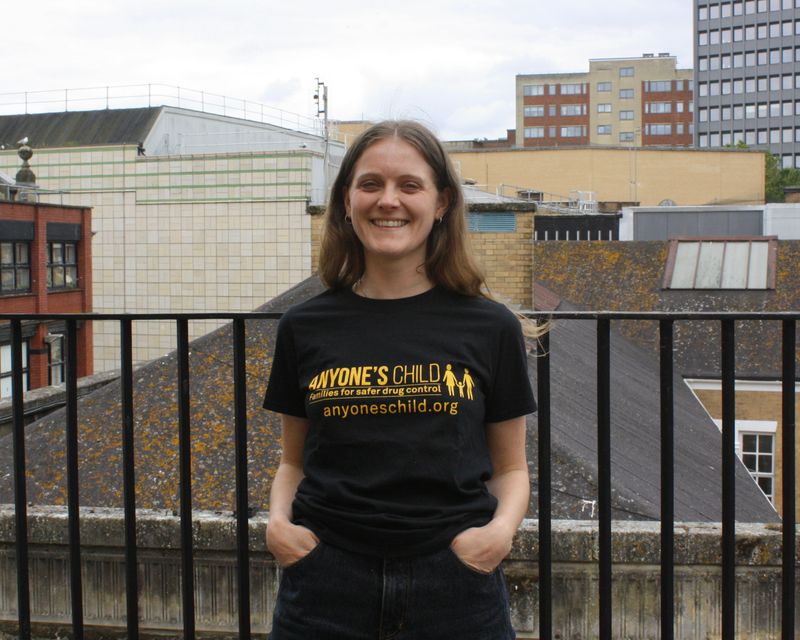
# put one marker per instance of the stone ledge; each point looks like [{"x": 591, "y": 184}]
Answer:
[{"x": 572, "y": 540}]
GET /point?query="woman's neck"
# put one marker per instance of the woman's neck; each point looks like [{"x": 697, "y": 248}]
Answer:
[{"x": 387, "y": 284}]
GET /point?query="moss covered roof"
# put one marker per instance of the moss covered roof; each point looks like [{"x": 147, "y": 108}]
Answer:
[{"x": 628, "y": 276}]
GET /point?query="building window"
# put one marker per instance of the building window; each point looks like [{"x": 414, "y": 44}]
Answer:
[
  {"x": 534, "y": 132},
  {"x": 626, "y": 136},
  {"x": 62, "y": 265},
  {"x": 534, "y": 111},
  {"x": 713, "y": 11},
  {"x": 604, "y": 107},
  {"x": 626, "y": 94},
  {"x": 757, "y": 451},
  {"x": 719, "y": 263},
  {"x": 626, "y": 115},
  {"x": 702, "y": 13},
  {"x": 573, "y": 132},
  {"x": 55, "y": 345},
  {"x": 572, "y": 89},
  {"x": 15, "y": 267},
  {"x": 533, "y": 90},
  {"x": 658, "y": 129},
  {"x": 605, "y": 129},
  {"x": 573, "y": 109},
  {"x": 626, "y": 72},
  {"x": 603, "y": 87},
  {"x": 661, "y": 85},
  {"x": 5, "y": 369},
  {"x": 658, "y": 107}
]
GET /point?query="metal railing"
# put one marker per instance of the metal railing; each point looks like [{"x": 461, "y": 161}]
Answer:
[
  {"x": 150, "y": 95},
  {"x": 666, "y": 322}
]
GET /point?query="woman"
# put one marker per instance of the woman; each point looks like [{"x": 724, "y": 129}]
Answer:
[{"x": 403, "y": 392}]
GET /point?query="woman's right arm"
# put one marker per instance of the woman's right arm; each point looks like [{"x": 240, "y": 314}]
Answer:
[{"x": 286, "y": 541}]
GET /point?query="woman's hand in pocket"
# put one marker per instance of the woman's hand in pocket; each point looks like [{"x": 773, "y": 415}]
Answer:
[
  {"x": 482, "y": 548},
  {"x": 289, "y": 542}
]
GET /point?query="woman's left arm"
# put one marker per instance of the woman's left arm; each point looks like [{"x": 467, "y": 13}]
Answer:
[{"x": 483, "y": 548}]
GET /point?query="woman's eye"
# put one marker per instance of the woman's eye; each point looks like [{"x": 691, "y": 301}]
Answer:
[
  {"x": 369, "y": 185},
  {"x": 411, "y": 186}
]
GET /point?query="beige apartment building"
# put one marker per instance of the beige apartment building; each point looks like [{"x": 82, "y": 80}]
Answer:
[
  {"x": 649, "y": 176},
  {"x": 641, "y": 102}
]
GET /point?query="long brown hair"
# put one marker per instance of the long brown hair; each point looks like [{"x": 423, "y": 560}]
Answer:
[{"x": 448, "y": 262}]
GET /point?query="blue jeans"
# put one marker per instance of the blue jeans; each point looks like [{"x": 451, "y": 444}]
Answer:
[{"x": 332, "y": 594}]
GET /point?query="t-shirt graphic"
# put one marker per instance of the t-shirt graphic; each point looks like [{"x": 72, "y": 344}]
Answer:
[{"x": 386, "y": 390}]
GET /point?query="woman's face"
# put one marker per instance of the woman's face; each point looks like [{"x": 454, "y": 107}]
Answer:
[{"x": 393, "y": 202}]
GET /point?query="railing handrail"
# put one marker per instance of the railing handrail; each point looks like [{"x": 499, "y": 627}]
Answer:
[
  {"x": 555, "y": 315},
  {"x": 150, "y": 95},
  {"x": 666, "y": 319}
]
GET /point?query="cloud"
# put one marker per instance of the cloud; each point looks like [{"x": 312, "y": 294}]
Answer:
[{"x": 452, "y": 63}]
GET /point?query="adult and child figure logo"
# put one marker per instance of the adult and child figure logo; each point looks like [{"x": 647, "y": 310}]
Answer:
[{"x": 450, "y": 379}]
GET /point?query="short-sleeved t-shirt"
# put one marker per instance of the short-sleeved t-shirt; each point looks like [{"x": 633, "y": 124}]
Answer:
[{"x": 397, "y": 394}]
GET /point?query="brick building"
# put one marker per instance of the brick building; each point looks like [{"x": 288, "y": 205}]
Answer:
[
  {"x": 643, "y": 101},
  {"x": 45, "y": 267}
]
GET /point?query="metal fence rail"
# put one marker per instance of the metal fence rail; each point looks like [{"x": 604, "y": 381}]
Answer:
[{"x": 665, "y": 322}]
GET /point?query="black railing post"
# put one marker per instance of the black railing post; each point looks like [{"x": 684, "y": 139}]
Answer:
[
  {"x": 242, "y": 506},
  {"x": 20, "y": 489},
  {"x": 604, "y": 474},
  {"x": 788, "y": 503},
  {"x": 185, "y": 462},
  {"x": 129, "y": 479},
  {"x": 73, "y": 499},
  {"x": 667, "y": 483},
  {"x": 728, "y": 481},
  {"x": 545, "y": 489}
]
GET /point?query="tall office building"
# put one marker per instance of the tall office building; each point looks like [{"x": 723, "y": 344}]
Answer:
[
  {"x": 747, "y": 75},
  {"x": 643, "y": 101}
]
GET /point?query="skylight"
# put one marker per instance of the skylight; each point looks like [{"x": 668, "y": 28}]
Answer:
[{"x": 721, "y": 263}]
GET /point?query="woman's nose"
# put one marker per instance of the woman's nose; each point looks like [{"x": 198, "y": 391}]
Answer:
[{"x": 389, "y": 197}]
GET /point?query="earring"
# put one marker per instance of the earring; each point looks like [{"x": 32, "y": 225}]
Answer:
[
  {"x": 439, "y": 220},
  {"x": 348, "y": 220}
]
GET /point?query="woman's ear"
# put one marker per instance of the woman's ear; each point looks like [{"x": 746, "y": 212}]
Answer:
[{"x": 443, "y": 202}]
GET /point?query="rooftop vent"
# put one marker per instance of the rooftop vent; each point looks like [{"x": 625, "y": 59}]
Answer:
[
  {"x": 663, "y": 54},
  {"x": 648, "y": 55}
]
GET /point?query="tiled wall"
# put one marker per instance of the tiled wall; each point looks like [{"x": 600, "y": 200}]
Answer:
[{"x": 215, "y": 232}]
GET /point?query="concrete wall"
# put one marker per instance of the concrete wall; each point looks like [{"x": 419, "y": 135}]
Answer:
[
  {"x": 636, "y": 576},
  {"x": 647, "y": 176}
]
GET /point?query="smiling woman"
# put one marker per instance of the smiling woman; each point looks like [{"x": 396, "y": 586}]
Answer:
[{"x": 403, "y": 392}]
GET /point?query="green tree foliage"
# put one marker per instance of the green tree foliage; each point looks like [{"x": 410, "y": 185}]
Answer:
[{"x": 776, "y": 178}]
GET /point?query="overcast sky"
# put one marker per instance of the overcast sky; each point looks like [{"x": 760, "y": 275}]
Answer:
[{"x": 450, "y": 64}]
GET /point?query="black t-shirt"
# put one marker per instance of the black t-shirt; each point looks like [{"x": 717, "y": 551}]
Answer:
[{"x": 397, "y": 393}]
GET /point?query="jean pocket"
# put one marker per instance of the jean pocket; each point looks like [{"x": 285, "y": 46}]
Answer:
[
  {"x": 470, "y": 569},
  {"x": 302, "y": 562}
]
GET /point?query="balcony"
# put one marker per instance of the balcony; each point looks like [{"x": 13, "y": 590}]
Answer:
[{"x": 683, "y": 550}]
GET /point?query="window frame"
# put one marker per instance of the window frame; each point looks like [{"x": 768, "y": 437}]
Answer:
[
  {"x": 52, "y": 266},
  {"x": 772, "y": 244},
  {"x": 16, "y": 266},
  {"x": 6, "y": 375}
]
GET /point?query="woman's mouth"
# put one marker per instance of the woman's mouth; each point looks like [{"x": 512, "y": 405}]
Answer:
[{"x": 389, "y": 223}]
